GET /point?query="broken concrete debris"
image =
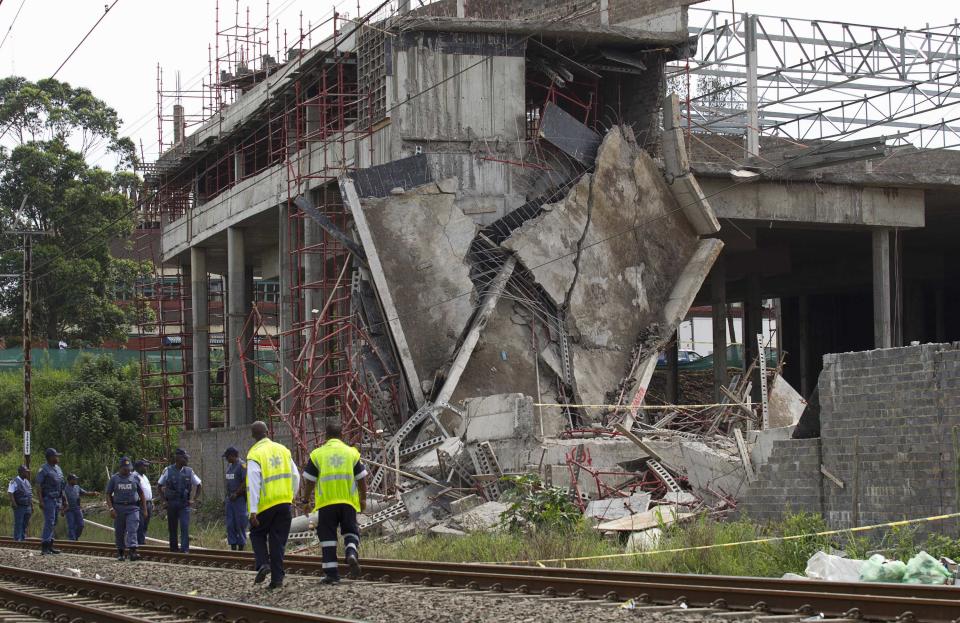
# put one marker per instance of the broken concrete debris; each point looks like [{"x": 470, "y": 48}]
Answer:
[{"x": 531, "y": 342}]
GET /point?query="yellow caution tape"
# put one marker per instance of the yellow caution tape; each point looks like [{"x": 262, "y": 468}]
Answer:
[{"x": 773, "y": 539}]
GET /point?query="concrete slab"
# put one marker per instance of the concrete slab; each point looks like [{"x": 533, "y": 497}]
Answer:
[
  {"x": 483, "y": 517},
  {"x": 709, "y": 471},
  {"x": 615, "y": 508},
  {"x": 624, "y": 247},
  {"x": 644, "y": 541},
  {"x": 653, "y": 518},
  {"x": 500, "y": 416},
  {"x": 423, "y": 238},
  {"x": 429, "y": 461},
  {"x": 785, "y": 404}
]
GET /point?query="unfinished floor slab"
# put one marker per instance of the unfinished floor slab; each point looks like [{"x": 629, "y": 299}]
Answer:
[
  {"x": 610, "y": 255},
  {"x": 422, "y": 238}
]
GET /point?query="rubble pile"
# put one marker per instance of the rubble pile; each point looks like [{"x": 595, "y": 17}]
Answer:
[{"x": 527, "y": 345}]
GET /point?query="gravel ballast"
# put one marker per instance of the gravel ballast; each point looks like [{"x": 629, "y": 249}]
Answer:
[{"x": 357, "y": 600}]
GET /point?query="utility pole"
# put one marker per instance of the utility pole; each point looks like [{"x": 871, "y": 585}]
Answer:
[{"x": 26, "y": 284}]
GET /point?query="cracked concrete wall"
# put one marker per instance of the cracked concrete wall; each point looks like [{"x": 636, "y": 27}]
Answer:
[
  {"x": 611, "y": 254},
  {"x": 422, "y": 237}
]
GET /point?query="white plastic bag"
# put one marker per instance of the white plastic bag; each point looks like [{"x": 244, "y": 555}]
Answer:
[{"x": 823, "y": 566}]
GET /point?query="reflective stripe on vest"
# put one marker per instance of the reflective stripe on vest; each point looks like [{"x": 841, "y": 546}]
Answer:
[
  {"x": 336, "y": 484},
  {"x": 276, "y": 474}
]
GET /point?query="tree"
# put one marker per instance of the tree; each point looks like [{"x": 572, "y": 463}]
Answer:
[{"x": 81, "y": 208}]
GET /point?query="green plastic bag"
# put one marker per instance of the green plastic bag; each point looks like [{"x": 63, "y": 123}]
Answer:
[
  {"x": 925, "y": 569},
  {"x": 879, "y": 569}
]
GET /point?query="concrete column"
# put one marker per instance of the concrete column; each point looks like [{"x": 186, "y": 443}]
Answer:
[
  {"x": 803, "y": 334},
  {"x": 882, "y": 333},
  {"x": 673, "y": 370},
  {"x": 238, "y": 310},
  {"x": 201, "y": 338},
  {"x": 753, "y": 325},
  {"x": 940, "y": 315},
  {"x": 287, "y": 342},
  {"x": 718, "y": 303},
  {"x": 312, "y": 267},
  {"x": 186, "y": 317}
]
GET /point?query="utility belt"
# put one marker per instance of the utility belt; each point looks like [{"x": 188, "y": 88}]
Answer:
[
  {"x": 25, "y": 504},
  {"x": 126, "y": 504}
]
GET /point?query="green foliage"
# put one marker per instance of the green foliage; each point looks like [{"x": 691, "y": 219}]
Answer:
[
  {"x": 90, "y": 413},
  {"x": 80, "y": 208},
  {"x": 535, "y": 506}
]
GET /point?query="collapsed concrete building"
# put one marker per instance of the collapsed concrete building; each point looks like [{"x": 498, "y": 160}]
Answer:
[{"x": 484, "y": 227}]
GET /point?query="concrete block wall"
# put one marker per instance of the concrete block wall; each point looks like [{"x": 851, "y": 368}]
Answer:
[
  {"x": 206, "y": 453},
  {"x": 790, "y": 479},
  {"x": 888, "y": 419},
  {"x": 890, "y": 413}
]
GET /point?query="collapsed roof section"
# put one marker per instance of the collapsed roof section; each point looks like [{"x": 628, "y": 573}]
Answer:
[{"x": 592, "y": 282}]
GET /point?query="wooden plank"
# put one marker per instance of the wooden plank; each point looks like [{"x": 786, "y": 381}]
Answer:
[
  {"x": 830, "y": 476},
  {"x": 639, "y": 442},
  {"x": 744, "y": 455}
]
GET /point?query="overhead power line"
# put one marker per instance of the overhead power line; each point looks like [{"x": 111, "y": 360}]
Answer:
[
  {"x": 92, "y": 28},
  {"x": 16, "y": 15}
]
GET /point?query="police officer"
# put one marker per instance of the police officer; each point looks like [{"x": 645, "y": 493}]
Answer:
[
  {"x": 339, "y": 476},
  {"x": 126, "y": 502},
  {"x": 21, "y": 498},
  {"x": 272, "y": 482},
  {"x": 176, "y": 484},
  {"x": 236, "y": 502},
  {"x": 51, "y": 485},
  {"x": 140, "y": 471},
  {"x": 74, "y": 513}
]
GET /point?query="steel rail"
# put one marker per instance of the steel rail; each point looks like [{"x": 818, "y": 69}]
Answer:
[
  {"x": 163, "y": 602},
  {"x": 43, "y": 607},
  {"x": 868, "y": 600}
]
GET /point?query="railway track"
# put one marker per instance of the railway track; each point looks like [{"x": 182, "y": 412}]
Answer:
[
  {"x": 729, "y": 597},
  {"x": 36, "y": 595}
]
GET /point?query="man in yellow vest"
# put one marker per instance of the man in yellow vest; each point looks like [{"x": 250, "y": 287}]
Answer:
[
  {"x": 272, "y": 483},
  {"x": 339, "y": 476}
]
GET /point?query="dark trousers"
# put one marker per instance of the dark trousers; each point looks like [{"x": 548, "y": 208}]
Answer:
[
  {"x": 269, "y": 539},
  {"x": 178, "y": 516},
  {"x": 51, "y": 510},
  {"x": 74, "y": 523},
  {"x": 125, "y": 526},
  {"x": 236, "y": 513},
  {"x": 21, "y": 520},
  {"x": 144, "y": 524},
  {"x": 329, "y": 518}
]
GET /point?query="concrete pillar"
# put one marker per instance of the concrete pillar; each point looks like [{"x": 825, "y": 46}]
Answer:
[
  {"x": 753, "y": 325},
  {"x": 287, "y": 342},
  {"x": 201, "y": 338},
  {"x": 882, "y": 333},
  {"x": 718, "y": 303},
  {"x": 186, "y": 317},
  {"x": 239, "y": 299},
  {"x": 312, "y": 267},
  {"x": 803, "y": 356},
  {"x": 940, "y": 315},
  {"x": 673, "y": 370}
]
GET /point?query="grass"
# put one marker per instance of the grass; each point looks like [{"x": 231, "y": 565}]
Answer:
[
  {"x": 206, "y": 530},
  {"x": 770, "y": 559}
]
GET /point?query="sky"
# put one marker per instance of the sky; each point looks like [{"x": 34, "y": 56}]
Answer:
[{"x": 119, "y": 60}]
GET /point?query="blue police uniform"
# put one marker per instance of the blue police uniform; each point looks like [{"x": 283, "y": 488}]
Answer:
[
  {"x": 22, "y": 492},
  {"x": 177, "y": 484},
  {"x": 51, "y": 484},
  {"x": 236, "y": 505},
  {"x": 124, "y": 491},
  {"x": 74, "y": 514}
]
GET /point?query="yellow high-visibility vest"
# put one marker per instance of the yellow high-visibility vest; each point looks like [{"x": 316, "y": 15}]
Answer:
[
  {"x": 336, "y": 484},
  {"x": 276, "y": 471}
]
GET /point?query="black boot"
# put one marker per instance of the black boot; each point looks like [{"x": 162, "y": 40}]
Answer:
[
  {"x": 233, "y": 547},
  {"x": 51, "y": 549},
  {"x": 120, "y": 555},
  {"x": 133, "y": 555},
  {"x": 44, "y": 548}
]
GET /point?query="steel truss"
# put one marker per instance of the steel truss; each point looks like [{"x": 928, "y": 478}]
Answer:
[{"x": 812, "y": 80}]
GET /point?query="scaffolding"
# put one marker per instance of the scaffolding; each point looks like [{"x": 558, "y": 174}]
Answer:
[{"x": 163, "y": 308}]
